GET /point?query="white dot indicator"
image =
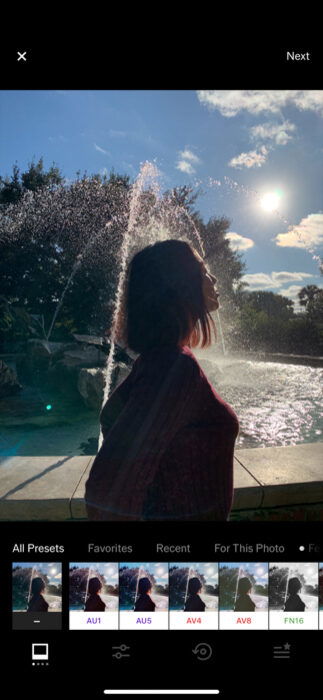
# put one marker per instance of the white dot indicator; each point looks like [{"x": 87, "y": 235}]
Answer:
[{"x": 301, "y": 548}]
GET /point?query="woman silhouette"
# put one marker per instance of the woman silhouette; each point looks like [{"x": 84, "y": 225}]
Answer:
[
  {"x": 294, "y": 603},
  {"x": 94, "y": 603},
  {"x": 144, "y": 601},
  {"x": 168, "y": 436},
  {"x": 244, "y": 603},
  {"x": 194, "y": 603},
  {"x": 37, "y": 603}
]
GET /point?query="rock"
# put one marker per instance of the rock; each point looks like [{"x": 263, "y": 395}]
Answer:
[
  {"x": 9, "y": 383},
  {"x": 39, "y": 354},
  {"x": 42, "y": 347},
  {"x": 89, "y": 339},
  {"x": 91, "y": 383},
  {"x": 81, "y": 354}
]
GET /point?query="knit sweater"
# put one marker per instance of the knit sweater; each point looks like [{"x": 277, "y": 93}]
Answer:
[{"x": 168, "y": 445}]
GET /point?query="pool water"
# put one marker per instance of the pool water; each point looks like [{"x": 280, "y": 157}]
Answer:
[{"x": 277, "y": 405}]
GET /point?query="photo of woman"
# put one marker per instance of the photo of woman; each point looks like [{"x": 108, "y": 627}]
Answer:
[
  {"x": 144, "y": 601},
  {"x": 293, "y": 587},
  {"x": 168, "y": 436},
  {"x": 94, "y": 602},
  {"x": 244, "y": 587},
  {"x": 244, "y": 602},
  {"x": 37, "y": 601},
  {"x": 93, "y": 587},
  {"x": 294, "y": 603},
  {"x": 194, "y": 587},
  {"x": 37, "y": 593},
  {"x": 143, "y": 587},
  {"x": 194, "y": 603}
]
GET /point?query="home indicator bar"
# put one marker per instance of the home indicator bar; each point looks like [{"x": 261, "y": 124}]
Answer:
[{"x": 161, "y": 692}]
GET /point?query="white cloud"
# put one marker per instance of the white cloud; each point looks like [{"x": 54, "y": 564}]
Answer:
[
  {"x": 292, "y": 292},
  {"x": 284, "y": 277},
  {"x": 273, "y": 280},
  {"x": 188, "y": 155},
  {"x": 252, "y": 159},
  {"x": 238, "y": 242},
  {"x": 259, "y": 280},
  {"x": 231, "y": 102},
  {"x": 185, "y": 160},
  {"x": 270, "y": 131},
  {"x": 185, "y": 167},
  {"x": 308, "y": 233},
  {"x": 101, "y": 150}
]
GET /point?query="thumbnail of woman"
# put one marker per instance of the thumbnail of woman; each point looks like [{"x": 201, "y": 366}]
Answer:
[
  {"x": 144, "y": 601},
  {"x": 94, "y": 603},
  {"x": 294, "y": 603},
  {"x": 37, "y": 603},
  {"x": 168, "y": 436},
  {"x": 194, "y": 603},
  {"x": 244, "y": 603}
]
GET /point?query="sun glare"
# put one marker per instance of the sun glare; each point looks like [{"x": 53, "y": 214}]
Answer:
[{"x": 269, "y": 202}]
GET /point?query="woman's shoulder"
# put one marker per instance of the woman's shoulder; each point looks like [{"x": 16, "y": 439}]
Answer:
[
  {"x": 190, "y": 362},
  {"x": 163, "y": 359}
]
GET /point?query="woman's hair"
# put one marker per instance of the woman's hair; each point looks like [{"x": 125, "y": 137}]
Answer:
[
  {"x": 37, "y": 585},
  {"x": 294, "y": 585},
  {"x": 194, "y": 585},
  {"x": 94, "y": 585},
  {"x": 164, "y": 302},
  {"x": 244, "y": 585},
  {"x": 144, "y": 585}
]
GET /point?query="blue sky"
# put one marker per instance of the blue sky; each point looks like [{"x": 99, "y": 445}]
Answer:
[
  {"x": 53, "y": 571},
  {"x": 110, "y": 570},
  {"x": 239, "y": 146},
  {"x": 258, "y": 569},
  {"x": 209, "y": 569},
  {"x": 158, "y": 569}
]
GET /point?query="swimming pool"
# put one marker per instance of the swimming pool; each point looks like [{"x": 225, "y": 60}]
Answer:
[{"x": 277, "y": 404}]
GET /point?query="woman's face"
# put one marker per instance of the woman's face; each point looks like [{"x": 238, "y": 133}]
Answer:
[{"x": 210, "y": 292}]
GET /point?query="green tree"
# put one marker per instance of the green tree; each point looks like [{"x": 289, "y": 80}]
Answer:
[
  {"x": 71, "y": 232},
  {"x": 61, "y": 243},
  {"x": 272, "y": 304},
  {"x": 12, "y": 189},
  {"x": 307, "y": 294}
]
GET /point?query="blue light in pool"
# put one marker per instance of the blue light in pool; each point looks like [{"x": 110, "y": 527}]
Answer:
[{"x": 49, "y": 407}]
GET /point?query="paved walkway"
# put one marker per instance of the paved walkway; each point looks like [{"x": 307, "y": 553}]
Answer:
[{"x": 52, "y": 488}]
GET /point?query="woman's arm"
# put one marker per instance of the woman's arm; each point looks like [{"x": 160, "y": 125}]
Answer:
[
  {"x": 158, "y": 405},
  {"x": 116, "y": 402}
]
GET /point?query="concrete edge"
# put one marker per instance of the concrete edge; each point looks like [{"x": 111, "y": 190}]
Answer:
[{"x": 73, "y": 501}]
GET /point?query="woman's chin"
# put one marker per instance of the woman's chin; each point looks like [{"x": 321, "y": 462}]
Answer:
[{"x": 213, "y": 305}]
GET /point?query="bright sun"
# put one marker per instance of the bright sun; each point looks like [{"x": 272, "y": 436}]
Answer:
[{"x": 270, "y": 201}]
